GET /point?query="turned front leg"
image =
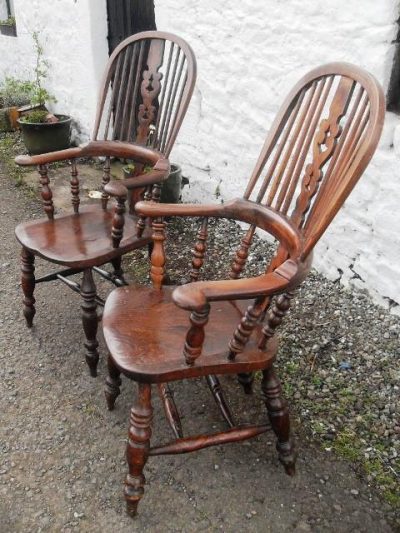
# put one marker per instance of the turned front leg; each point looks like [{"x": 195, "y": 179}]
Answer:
[
  {"x": 28, "y": 285},
  {"x": 137, "y": 451},
  {"x": 278, "y": 414},
  {"x": 90, "y": 320}
]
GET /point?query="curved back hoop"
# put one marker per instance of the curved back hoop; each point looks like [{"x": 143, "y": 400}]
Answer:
[
  {"x": 146, "y": 90},
  {"x": 318, "y": 147}
]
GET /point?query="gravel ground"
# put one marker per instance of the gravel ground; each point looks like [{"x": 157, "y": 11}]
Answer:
[{"x": 62, "y": 453}]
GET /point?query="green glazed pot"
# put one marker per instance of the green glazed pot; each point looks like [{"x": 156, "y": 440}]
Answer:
[{"x": 42, "y": 138}]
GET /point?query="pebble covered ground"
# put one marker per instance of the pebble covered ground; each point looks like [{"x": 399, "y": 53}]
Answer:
[
  {"x": 62, "y": 454},
  {"x": 339, "y": 356}
]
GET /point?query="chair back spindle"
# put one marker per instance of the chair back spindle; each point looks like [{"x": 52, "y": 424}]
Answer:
[
  {"x": 318, "y": 147},
  {"x": 74, "y": 186},
  {"x": 146, "y": 90}
]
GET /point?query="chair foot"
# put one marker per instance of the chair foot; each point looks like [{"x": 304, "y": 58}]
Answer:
[
  {"x": 28, "y": 285},
  {"x": 90, "y": 320},
  {"x": 278, "y": 414},
  {"x": 246, "y": 380},
  {"x": 131, "y": 508},
  {"x": 112, "y": 385},
  {"x": 118, "y": 272},
  {"x": 137, "y": 451}
]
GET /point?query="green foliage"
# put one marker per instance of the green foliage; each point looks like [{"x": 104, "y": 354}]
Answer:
[
  {"x": 8, "y": 22},
  {"x": 39, "y": 95},
  {"x": 15, "y": 92},
  {"x": 9, "y": 148},
  {"x": 129, "y": 169},
  {"x": 347, "y": 445},
  {"x": 35, "y": 117}
]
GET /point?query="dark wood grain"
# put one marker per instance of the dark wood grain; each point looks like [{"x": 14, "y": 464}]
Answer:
[
  {"x": 159, "y": 329},
  {"x": 317, "y": 149},
  {"x": 142, "y": 103},
  {"x": 80, "y": 241}
]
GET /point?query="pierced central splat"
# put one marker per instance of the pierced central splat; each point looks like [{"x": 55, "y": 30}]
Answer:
[{"x": 150, "y": 84}]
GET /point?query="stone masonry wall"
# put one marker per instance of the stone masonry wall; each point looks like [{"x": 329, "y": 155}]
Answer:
[
  {"x": 74, "y": 37},
  {"x": 250, "y": 54}
]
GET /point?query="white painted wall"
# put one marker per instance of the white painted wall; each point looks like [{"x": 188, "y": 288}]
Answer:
[
  {"x": 250, "y": 53},
  {"x": 74, "y": 36},
  {"x": 3, "y": 10}
]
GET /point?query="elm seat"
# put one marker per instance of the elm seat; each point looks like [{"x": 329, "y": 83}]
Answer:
[
  {"x": 80, "y": 240},
  {"x": 144, "y": 331}
]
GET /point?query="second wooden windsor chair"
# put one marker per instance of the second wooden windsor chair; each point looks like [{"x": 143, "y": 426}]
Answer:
[
  {"x": 144, "y": 96},
  {"x": 318, "y": 147}
]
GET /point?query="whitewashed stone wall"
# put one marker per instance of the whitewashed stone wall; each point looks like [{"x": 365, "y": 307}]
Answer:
[
  {"x": 74, "y": 36},
  {"x": 3, "y": 11},
  {"x": 250, "y": 53}
]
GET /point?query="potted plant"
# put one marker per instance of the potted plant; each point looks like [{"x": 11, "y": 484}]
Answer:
[
  {"x": 171, "y": 188},
  {"x": 43, "y": 131},
  {"x": 8, "y": 26}
]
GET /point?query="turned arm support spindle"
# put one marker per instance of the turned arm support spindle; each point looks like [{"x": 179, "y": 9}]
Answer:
[
  {"x": 196, "y": 334},
  {"x": 118, "y": 221},
  {"x": 106, "y": 149},
  {"x": 157, "y": 269},
  {"x": 75, "y": 186},
  {"x": 106, "y": 179},
  {"x": 199, "y": 250},
  {"x": 47, "y": 195}
]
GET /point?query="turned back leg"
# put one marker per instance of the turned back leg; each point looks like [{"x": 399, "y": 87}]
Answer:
[
  {"x": 28, "y": 285},
  {"x": 137, "y": 451},
  {"x": 118, "y": 271},
  {"x": 278, "y": 414},
  {"x": 113, "y": 382},
  {"x": 246, "y": 380},
  {"x": 89, "y": 320}
]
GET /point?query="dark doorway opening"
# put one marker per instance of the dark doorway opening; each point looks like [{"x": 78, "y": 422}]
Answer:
[
  {"x": 127, "y": 17},
  {"x": 393, "y": 94}
]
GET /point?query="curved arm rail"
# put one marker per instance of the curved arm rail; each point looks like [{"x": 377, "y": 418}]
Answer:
[
  {"x": 95, "y": 149},
  {"x": 265, "y": 218},
  {"x": 195, "y": 296}
]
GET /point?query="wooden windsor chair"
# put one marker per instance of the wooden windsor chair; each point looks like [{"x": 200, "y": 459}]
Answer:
[
  {"x": 319, "y": 145},
  {"x": 144, "y": 96}
]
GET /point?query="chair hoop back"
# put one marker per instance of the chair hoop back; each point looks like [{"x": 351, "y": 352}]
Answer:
[
  {"x": 146, "y": 90},
  {"x": 319, "y": 145}
]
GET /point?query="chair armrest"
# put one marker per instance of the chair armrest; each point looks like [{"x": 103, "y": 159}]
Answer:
[
  {"x": 120, "y": 188},
  {"x": 265, "y": 218},
  {"x": 95, "y": 149},
  {"x": 195, "y": 296}
]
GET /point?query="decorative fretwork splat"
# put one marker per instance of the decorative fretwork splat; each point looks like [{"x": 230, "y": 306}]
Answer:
[
  {"x": 150, "y": 89},
  {"x": 324, "y": 147}
]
